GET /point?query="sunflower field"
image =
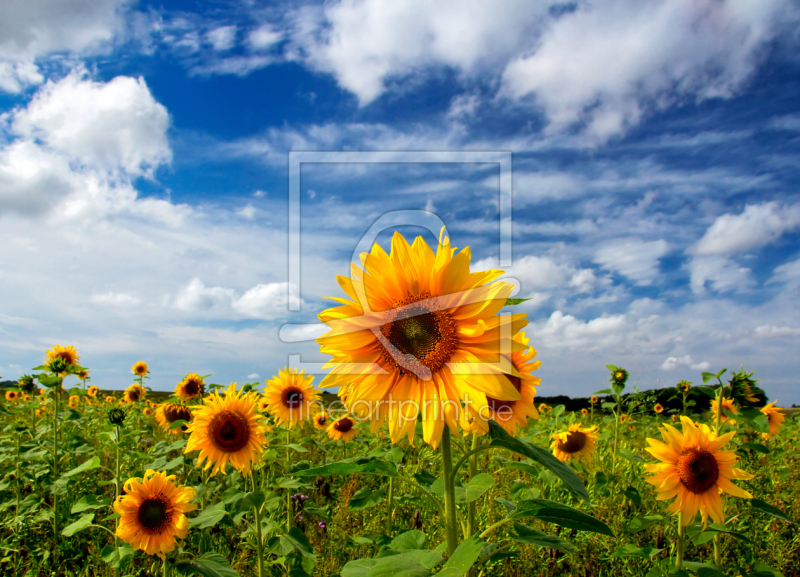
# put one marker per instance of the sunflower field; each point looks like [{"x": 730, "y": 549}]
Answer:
[{"x": 434, "y": 457}]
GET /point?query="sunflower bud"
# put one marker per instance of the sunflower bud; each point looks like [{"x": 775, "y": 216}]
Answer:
[
  {"x": 116, "y": 417},
  {"x": 57, "y": 366},
  {"x": 619, "y": 376}
]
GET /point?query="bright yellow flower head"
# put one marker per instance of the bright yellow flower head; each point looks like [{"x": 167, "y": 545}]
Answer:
[
  {"x": 92, "y": 391},
  {"x": 694, "y": 469},
  {"x": 291, "y": 398},
  {"x": 585, "y": 412},
  {"x": 12, "y": 395},
  {"x": 417, "y": 335},
  {"x": 658, "y": 409},
  {"x": 191, "y": 387},
  {"x": 168, "y": 413},
  {"x": 140, "y": 368},
  {"x": 134, "y": 393},
  {"x": 68, "y": 353},
  {"x": 574, "y": 443},
  {"x": 84, "y": 374},
  {"x": 727, "y": 404},
  {"x": 153, "y": 513},
  {"x": 594, "y": 399},
  {"x": 342, "y": 429},
  {"x": 110, "y": 399},
  {"x": 321, "y": 420},
  {"x": 775, "y": 417},
  {"x": 227, "y": 429}
]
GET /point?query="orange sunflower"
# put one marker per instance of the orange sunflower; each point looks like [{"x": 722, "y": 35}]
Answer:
[
  {"x": 191, "y": 387},
  {"x": 726, "y": 404},
  {"x": 575, "y": 443},
  {"x": 321, "y": 420},
  {"x": 168, "y": 413},
  {"x": 775, "y": 417},
  {"x": 92, "y": 391},
  {"x": 134, "y": 393},
  {"x": 140, "y": 368},
  {"x": 417, "y": 335},
  {"x": 694, "y": 469},
  {"x": 68, "y": 353},
  {"x": 291, "y": 398},
  {"x": 342, "y": 429}
]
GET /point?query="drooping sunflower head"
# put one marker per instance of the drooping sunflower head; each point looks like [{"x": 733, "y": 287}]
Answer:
[
  {"x": 82, "y": 374},
  {"x": 140, "y": 368},
  {"x": 92, "y": 391},
  {"x": 169, "y": 413},
  {"x": 68, "y": 354},
  {"x": 658, "y": 409},
  {"x": 191, "y": 387},
  {"x": 417, "y": 336},
  {"x": 321, "y": 420},
  {"x": 775, "y": 417},
  {"x": 575, "y": 443},
  {"x": 694, "y": 469},
  {"x": 134, "y": 394},
  {"x": 743, "y": 388},
  {"x": 594, "y": 399},
  {"x": 116, "y": 417},
  {"x": 343, "y": 429},
  {"x": 291, "y": 398},
  {"x": 727, "y": 405},
  {"x": 153, "y": 513},
  {"x": 513, "y": 414},
  {"x": 12, "y": 395},
  {"x": 684, "y": 386},
  {"x": 227, "y": 429}
]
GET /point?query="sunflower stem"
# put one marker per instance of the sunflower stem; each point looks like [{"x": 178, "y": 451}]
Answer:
[
  {"x": 259, "y": 543},
  {"x": 679, "y": 542},
  {"x": 55, "y": 473},
  {"x": 473, "y": 470},
  {"x": 288, "y": 491},
  {"x": 116, "y": 496},
  {"x": 16, "y": 511},
  {"x": 450, "y": 522}
]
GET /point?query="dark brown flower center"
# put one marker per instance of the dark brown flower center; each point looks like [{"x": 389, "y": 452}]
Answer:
[
  {"x": 576, "y": 440},
  {"x": 425, "y": 337},
  {"x": 292, "y": 398},
  {"x": 154, "y": 514},
  {"x": 322, "y": 419},
  {"x": 133, "y": 395},
  {"x": 177, "y": 413},
  {"x": 191, "y": 388},
  {"x": 230, "y": 431},
  {"x": 698, "y": 470},
  {"x": 504, "y": 407},
  {"x": 343, "y": 425}
]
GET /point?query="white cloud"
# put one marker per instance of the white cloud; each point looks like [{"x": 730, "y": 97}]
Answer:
[
  {"x": 116, "y": 299},
  {"x": 196, "y": 297},
  {"x": 661, "y": 50},
  {"x": 723, "y": 274},
  {"x": 223, "y": 37},
  {"x": 770, "y": 331},
  {"x": 758, "y": 226},
  {"x": 265, "y": 301},
  {"x": 788, "y": 273},
  {"x": 633, "y": 258},
  {"x": 542, "y": 273},
  {"x": 248, "y": 212},
  {"x": 685, "y": 361},
  {"x": 264, "y": 37},
  {"x": 562, "y": 331},
  {"x": 253, "y": 376}
]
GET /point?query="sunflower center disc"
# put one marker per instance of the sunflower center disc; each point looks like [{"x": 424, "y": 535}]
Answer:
[
  {"x": 177, "y": 414},
  {"x": 576, "y": 440},
  {"x": 292, "y": 398},
  {"x": 698, "y": 470},
  {"x": 499, "y": 406},
  {"x": 230, "y": 431},
  {"x": 191, "y": 388},
  {"x": 134, "y": 395},
  {"x": 153, "y": 514},
  {"x": 343, "y": 425}
]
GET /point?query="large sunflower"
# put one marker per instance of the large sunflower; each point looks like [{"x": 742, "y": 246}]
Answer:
[
  {"x": 512, "y": 414},
  {"x": 694, "y": 469},
  {"x": 153, "y": 512},
  {"x": 140, "y": 368},
  {"x": 419, "y": 335},
  {"x": 575, "y": 443},
  {"x": 134, "y": 393},
  {"x": 228, "y": 428},
  {"x": 168, "y": 413},
  {"x": 68, "y": 353},
  {"x": 291, "y": 398},
  {"x": 775, "y": 417},
  {"x": 342, "y": 429},
  {"x": 191, "y": 387},
  {"x": 726, "y": 404}
]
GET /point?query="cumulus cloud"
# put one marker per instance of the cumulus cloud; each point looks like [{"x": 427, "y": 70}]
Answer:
[
  {"x": 673, "y": 363},
  {"x": 542, "y": 273},
  {"x": 562, "y": 331},
  {"x": 757, "y": 226},
  {"x": 263, "y": 301},
  {"x": 722, "y": 274},
  {"x": 223, "y": 37},
  {"x": 196, "y": 297},
  {"x": 116, "y": 299},
  {"x": 633, "y": 258}
]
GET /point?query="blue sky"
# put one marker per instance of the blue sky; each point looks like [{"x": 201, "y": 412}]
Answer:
[{"x": 656, "y": 163}]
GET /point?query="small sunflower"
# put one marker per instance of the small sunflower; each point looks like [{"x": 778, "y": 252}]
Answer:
[
  {"x": 134, "y": 393},
  {"x": 623, "y": 418},
  {"x": 147, "y": 411},
  {"x": 227, "y": 429},
  {"x": 658, "y": 409},
  {"x": 191, "y": 387},
  {"x": 140, "y": 368},
  {"x": 68, "y": 354},
  {"x": 576, "y": 442},
  {"x": 595, "y": 400},
  {"x": 619, "y": 376},
  {"x": 775, "y": 417},
  {"x": 291, "y": 398},
  {"x": 168, "y": 413},
  {"x": 726, "y": 404},
  {"x": 153, "y": 513},
  {"x": 694, "y": 469},
  {"x": 11, "y": 395},
  {"x": 684, "y": 386},
  {"x": 543, "y": 408},
  {"x": 92, "y": 391},
  {"x": 110, "y": 399},
  {"x": 82, "y": 375},
  {"x": 321, "y": 420},
  {"x": 342, "y": 429},
  {"x": 26, "y": 397},
  {"x": 585, "y": 412},
  {"x": 513, "y": 414}
]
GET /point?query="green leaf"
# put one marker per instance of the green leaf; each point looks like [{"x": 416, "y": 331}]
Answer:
[
  {"x": 634, "y": 551},
  {"x": 709, "y": 572},
  {"x": 499, "y": 438},
  {"x": 299, "y": 542},
  {"x": 632, "y": 494},
  {"x": 757, "y": 447},
  {"x": 92, "y": 463},
  {"x": 531, "y": 536},
  {"x": 558, "y": 410},
  {"x": 764, "y": 507},
  {"x": 78, "y": 525},
  {"x": 293, "y": 446},
  {"x": 761, "y": 569},
  {"x": 409, "y": 564},
  {"x": 708, "y": 376},
  {"x": 115, "y": 557},
  {"x": 611, "y": 368},
  {"x": 289, "y": 483},
  {"x": 207, "y": 565},
  {"x": 560, "y": 514},
  {"x": 642, "y": 523},
  {"x": 364, "y": 498},
  {"x": 754, "y": 418},
  {"x": 209, "y": 516},
  {"x": 514, "y": 302},
  {"x": 462, "y": 558},
  {"x": 630, "y": 456},
  {"x": 408, "y": 541},
  {"x": 350, "y": 466},
  {"x": 477, "y": 486},
  {"x": 90, "y": 502}
]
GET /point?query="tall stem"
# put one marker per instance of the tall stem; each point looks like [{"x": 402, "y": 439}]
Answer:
[
  {"x": 718, "y": 428},
  {"x": 55, "y": 474},
  {"x": 616, "y": 440},
  {"x": 389, "y": 514},
  {"x": 679, "y": 544},
  {"x": 259, "y": 543},
  {"x": 472, "y": 510},
  {"x": 116, "y": 496},
  {"x": 288, "y": 491},
  {"x": 16, "y": 511},
  {"x": 450, "y": 522}
]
